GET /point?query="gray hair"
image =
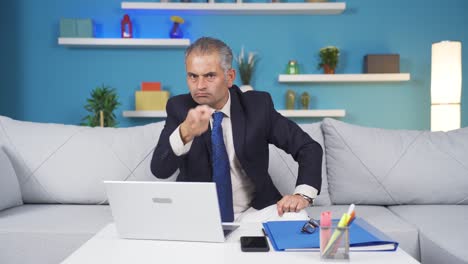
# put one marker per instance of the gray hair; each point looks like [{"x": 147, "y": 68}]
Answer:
[{"x": 207, "y": 45}]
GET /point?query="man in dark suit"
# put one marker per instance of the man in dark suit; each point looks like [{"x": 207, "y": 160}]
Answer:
[{"x": 249, "y": 123}]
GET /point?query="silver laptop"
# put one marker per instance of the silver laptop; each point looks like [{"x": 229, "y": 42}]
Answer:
[{"x": 185, "y": 211}]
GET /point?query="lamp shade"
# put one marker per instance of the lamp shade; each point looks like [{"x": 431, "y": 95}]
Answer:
[
  {"x": 445, "y": 117},
  {"x": 446, "y": 85},
  {"x": 446, "y": 72}
]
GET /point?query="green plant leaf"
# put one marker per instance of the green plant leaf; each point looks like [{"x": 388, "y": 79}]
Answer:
[
  {"x": 103, "y": 99},
  {"x": 329, "y": 56}
]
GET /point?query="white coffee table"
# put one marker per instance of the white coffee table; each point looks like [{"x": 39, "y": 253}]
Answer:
[{"x": 107, "y": 247}]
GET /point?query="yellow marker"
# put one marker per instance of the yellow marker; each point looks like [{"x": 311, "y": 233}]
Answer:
[{"x": 343, "y": 223}]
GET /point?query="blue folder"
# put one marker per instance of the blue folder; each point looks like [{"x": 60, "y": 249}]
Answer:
[{"x": 287, "y": 235}]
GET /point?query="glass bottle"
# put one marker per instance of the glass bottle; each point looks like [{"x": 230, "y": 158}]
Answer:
[
  {"x": 293, "y": 67},
  {"x": 126, "y": 27},
  {"x": 176, "y": 32}
]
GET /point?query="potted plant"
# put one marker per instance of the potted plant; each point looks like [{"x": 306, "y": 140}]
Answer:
[
  {"x": 329, "y": 59},
  {"x": 101, "y": 106},
  {"x": 246, "y": 69}
]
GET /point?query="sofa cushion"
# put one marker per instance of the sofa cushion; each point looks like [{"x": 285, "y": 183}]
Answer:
[
  {"x": 283, "y": 168},
  {"x": 66, "y": 164},
  {"x": 48, "y": 233},
  {"x": 442, "y": 230},
  {"x": 10, "y": 194},
  {"x": 383, "y": 219},
  {"x": 392, "y": 167}
]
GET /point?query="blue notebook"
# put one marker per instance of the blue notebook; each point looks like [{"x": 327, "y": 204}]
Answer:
[{"x": 287, "y": 235}]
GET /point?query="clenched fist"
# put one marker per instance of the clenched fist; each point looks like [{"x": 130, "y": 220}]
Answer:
[{"x": 196, "y": 123}]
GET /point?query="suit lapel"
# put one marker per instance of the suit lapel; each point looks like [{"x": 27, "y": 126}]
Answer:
[{"x": 237, "y": 121}]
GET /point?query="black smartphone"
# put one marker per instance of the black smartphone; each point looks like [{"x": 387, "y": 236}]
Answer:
[{"x": 254, "y": 244}]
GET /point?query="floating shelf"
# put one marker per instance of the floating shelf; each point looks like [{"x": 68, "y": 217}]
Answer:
[
  {"x": 366, "y": 77},
  {"x": 124, "y": 42},
  {"x": 157, "y": 114},
  {"x": 313, "y": 113},
  {"x": 242, "y": 8},
  {"x": 287, "y": 113}
]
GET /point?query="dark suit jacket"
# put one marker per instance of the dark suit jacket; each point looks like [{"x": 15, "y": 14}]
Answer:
[{"x": 255, "y": 124}]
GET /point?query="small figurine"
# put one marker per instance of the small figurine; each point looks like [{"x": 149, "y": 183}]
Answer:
[
  {"x": 176, "y": 32},
  {"x": 126, "y": 27}
]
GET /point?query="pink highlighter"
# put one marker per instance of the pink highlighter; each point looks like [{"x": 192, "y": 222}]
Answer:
[{"x": 325, "y": 221}]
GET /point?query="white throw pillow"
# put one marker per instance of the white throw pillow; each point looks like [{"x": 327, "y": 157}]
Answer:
[
  {"x": 67, "y": 164},
  {"x": 10, "y": 194},
  {"x": 392, "y": 167}
]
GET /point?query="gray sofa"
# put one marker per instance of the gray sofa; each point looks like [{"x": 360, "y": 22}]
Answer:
[{"x": 413, "y": 185}]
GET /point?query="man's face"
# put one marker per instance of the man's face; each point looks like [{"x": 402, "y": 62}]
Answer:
[{"x": 206, "y": 80}]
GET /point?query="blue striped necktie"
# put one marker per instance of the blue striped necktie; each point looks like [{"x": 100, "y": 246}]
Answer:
[{"x": 221, "y": 170}]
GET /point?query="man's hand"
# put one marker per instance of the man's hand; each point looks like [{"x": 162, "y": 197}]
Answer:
[
  {"x": 196, "y": 123},
  {"x": 291, "y": 203}
]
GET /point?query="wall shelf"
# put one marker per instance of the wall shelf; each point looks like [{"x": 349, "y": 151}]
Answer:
[
  {"x": 287, "y": 113},
  {"x": 242, "y": 8},
  {"x": 313, "y": 113},
  {"x": 156, "y": 114},
  {"x": 124, "y": 42},
  {"x": 322, "y": 78}
]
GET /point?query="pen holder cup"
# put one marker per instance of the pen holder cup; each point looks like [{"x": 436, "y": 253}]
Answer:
[{"x": 334, "y": 243}]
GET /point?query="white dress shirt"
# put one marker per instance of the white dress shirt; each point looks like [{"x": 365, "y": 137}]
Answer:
[{"x": 242, "y": 186}]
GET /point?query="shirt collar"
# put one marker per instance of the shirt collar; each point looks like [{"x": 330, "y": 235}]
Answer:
[{"x": 227, "y": 107}]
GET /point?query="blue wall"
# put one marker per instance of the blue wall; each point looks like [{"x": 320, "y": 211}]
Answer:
[{"x": 41, "y": 81}]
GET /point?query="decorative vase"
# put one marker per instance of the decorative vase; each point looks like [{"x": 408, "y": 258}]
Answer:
[
  {"x": 327, "y": 69},
  {"x": 290, "y": 99},
  {"x": 305, "y": 100},
  {"x": 176, "y": 32},
  {"x": 246, "y": 87}
]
